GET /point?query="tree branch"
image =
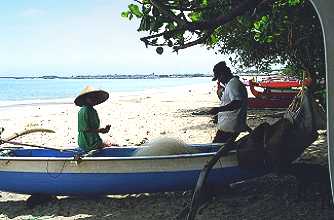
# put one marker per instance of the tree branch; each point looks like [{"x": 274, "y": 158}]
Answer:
[
  {"x": 185, "y": 8},
  {"x": 199, "y": 40},
  {"x": 240, "y": 9},
  {"x": 223, "y": 19},
  {"x": 139, "y": 2},
  {"x": 167, "y": 12},
  {"x": 171, "y": 32}
]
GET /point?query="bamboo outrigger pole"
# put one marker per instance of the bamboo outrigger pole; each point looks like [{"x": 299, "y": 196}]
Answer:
[{"x": 25, "y": 132}]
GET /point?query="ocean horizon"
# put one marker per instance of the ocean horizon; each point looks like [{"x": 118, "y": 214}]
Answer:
[{"x": 26, "y": 91}]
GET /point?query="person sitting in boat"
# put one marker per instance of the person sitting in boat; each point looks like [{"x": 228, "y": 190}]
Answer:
[
  {"x": 88, "y": 119},
  {"x": 232, "y": 112}
]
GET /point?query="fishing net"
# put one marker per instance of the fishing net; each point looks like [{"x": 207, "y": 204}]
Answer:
[{"x": 275, "y": 146}]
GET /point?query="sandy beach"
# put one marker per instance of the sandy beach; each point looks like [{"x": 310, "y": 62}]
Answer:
[{"x": 143, "y": 116}]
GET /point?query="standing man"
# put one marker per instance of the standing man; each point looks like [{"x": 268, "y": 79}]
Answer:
[{"x": 232, "y": 113}]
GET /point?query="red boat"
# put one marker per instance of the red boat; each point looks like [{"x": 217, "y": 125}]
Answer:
[
  {"x": 271, "y": 93},
  {"x": 259, "y": 103},
  {"x": 283, "y": 84}
]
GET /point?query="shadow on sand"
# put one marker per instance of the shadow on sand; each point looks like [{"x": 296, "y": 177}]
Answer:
[{"x": 139, "y": 206}]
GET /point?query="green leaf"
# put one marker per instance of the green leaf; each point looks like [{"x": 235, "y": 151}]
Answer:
[
  {"x": 156, "y": 24},
  {"x": 204, "y": 2},
  {"x": 146, "y": 10},
  {"x": 195, "y": 16},
  {"x": 257, "y": 25},
  {"x": 295, "y": 2},
  {"x": 135, "y": 10},
  {"x": 170, "y": 26},
  {"x": 145, "y": 24},
  {"x": 214, "y": 39},
  {"x": 125, "y": 14},
  {"x": 269, "y": 39}
]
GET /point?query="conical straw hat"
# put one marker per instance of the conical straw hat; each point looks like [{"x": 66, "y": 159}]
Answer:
[{"x": 100, "y": 95}]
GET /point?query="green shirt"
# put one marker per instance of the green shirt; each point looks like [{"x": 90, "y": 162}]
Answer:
[{"x": 88, "y": 118}]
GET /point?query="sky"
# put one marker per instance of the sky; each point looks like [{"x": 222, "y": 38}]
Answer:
[{"x": 64, "y": 38}]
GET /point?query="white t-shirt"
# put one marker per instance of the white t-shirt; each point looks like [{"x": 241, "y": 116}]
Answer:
[{"x": 234, "y": 121}]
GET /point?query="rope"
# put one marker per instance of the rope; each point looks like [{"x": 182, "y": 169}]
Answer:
[
  {"x": 56, "y": 174},
  {"x": 295, "y": 104}
]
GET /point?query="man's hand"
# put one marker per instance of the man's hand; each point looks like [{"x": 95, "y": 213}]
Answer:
[
  {"x": 213, "y": 111},
  {"x": 220, "y": 90},
  {"x": 105, "y": 130}
]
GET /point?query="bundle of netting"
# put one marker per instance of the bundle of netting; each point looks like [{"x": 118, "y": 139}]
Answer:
[{"x": 165, "y": 146}]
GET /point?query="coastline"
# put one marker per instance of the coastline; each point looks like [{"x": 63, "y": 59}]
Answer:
[{"x": 39, "y": 90}]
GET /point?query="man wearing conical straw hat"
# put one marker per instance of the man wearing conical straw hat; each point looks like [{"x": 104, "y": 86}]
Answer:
[{"x": 88, "y": 119}]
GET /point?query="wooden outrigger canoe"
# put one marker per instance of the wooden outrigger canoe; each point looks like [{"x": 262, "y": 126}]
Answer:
[
  {"x": 283, "y": 84},
  {"x": 113, "y": 171},
  {"x": 271, "y": 93}
]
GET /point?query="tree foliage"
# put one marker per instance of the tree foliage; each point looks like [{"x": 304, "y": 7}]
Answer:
[{"x": 257, "y": 32}]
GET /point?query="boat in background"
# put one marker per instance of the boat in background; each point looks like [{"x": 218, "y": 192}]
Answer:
[
  {"x": 282, "y": 84},
  {"x": 271, "y": 97},
  {"x": 115, "y": 170},
  {"x": 272, "y": 93}
]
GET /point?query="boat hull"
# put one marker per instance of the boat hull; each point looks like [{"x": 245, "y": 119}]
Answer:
[
  {"x": 272, "y": 93},
  {"x": 114, "y": 183},
  {"x": 115, "y": 175},
  {"x": 259, "y": 103}
]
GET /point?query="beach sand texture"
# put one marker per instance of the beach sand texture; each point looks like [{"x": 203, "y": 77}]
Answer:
[{"x": 139, "y": 117}]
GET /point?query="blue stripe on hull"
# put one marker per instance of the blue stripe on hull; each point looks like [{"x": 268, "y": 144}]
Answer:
[{"x": 115, "y": 183}]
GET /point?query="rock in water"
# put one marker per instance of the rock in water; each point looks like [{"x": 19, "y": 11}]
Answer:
[{"x": 165, "y": 146}]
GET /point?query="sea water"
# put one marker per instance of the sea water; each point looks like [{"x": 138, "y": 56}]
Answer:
[{"x": 36, "y": 90}]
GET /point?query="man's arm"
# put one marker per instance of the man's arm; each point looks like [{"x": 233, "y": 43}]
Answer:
[
  {"x": 220, "y": 92},
  {"x": 98, "y": 130},
  {"x": 235, "y": 104}
]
